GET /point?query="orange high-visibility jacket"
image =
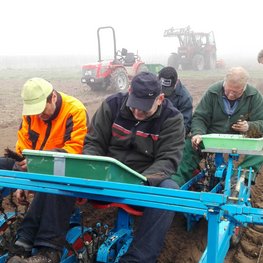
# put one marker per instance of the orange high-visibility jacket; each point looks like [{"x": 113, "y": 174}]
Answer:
[{"x": 65, "y": 130}]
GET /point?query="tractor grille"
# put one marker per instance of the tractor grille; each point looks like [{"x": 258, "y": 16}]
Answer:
[{"x": 89, "y": 72}]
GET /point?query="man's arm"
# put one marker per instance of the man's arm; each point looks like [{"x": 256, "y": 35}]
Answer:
[
  {"x": 169, "y": 147},
  {"x": 202, "y": 115},
  {"x": 186, "y": 108},
  {"x": 255, "y": 119},
  {"x": 74, "y": 140},
  {"x": 98, "y": 138},
  {"x": 23, "y": 141},
  {"x": 184, "y": 104}
]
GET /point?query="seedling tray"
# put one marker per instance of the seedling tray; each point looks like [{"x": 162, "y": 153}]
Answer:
[
  {"x": 232, "y": 141},
  {"x": 81, "y": 166}
]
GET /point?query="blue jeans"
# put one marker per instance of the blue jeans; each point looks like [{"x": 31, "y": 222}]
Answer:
[
  {"x": 6, "y": 163},
  {"x": 47, "y": 221},
  {"x": 150, "y": 235}
]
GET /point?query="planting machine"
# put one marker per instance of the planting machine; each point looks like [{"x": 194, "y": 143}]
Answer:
[{"x": 220, "y": 193}]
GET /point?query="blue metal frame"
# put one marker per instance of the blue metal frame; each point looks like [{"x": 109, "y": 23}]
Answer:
[{"x": 222, "y": 211}]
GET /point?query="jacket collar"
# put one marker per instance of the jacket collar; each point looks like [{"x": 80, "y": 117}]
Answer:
[{"x": 58, "y": 107}]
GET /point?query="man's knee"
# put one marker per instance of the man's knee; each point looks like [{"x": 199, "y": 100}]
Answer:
[
  {"x": 6, "y": 163},
  {"x": 169, "y": 183}
]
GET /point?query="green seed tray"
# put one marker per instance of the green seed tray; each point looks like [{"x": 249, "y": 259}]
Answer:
[
  {"x": 81, "y": 166},
  {"x": 232, "y": 141}
]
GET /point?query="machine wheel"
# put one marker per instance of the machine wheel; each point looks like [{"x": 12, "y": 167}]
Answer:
[
  {"x": 119, "y": 80},
  {"x": 198, "y": 62},
  {"x": 173, "y": 61}
]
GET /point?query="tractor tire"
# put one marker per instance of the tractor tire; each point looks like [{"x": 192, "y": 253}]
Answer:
[
  {"x": 198, "y": 62},
  {"x": 211, "y": 62},
  {"x": 119, "y": 80},
  {"x": 173, "y": 61}
]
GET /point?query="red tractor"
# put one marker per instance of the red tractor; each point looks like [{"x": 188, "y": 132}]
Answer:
[
  {"x": 115, "y": 73},
  {"x": 197, "y": 50}
]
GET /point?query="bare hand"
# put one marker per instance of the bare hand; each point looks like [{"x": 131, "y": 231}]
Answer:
[
  {"x": 22, "y": 165},
  {"x": 241, "y": 126},
  {"x": 196, "y": 139},
  {"x": 22, "y": 196}
]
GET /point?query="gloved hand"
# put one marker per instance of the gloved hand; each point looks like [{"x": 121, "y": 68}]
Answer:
[{"x": 156, "y": 179}]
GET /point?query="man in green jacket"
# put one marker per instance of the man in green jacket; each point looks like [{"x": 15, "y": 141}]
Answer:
[{"x": 220, "y": 110}]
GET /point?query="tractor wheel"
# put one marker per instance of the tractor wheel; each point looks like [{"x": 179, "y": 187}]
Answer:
[
  {"x": 211, "y": 61},
  {"x": 198, "y": 62},
  {"x": 119, "y": 80},
  {"x": 173, "y": 61}
]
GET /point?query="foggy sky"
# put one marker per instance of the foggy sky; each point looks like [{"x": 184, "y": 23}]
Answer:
[{"x": 57, "y": 27}]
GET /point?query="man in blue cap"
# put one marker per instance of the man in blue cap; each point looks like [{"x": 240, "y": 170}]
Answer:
[
  {"x": 143, "y": 130},
  {"x": 177, "y": 93}
]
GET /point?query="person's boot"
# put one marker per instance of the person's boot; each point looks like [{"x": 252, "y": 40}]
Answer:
[
  {"x": 16, "y": 252},
  {"x": 21, "y": 249}
]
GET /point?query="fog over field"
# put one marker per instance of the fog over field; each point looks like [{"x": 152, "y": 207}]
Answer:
[{"x": 43, "y": 33}]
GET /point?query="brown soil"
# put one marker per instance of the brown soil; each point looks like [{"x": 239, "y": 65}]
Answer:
[{"x": 180, "y": 246}]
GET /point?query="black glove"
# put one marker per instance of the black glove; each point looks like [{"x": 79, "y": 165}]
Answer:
[
  {"x": 156, "y": 179},
  {"x": 13, "y": 155}
]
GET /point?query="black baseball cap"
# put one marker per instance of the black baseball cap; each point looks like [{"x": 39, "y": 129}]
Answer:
[
  {"x": 145, "y": 88},
  {"x": 168, "y": 77}
]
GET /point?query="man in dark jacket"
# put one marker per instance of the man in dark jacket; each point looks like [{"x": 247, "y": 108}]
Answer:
[
  {"x": 143, "y": 130},
  {"x": 219, "y": 111},
  {"x": 177, "y": 93}
]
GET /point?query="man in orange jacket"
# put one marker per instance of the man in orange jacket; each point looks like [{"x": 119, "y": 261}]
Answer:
[{"x": 51, "y": 121}]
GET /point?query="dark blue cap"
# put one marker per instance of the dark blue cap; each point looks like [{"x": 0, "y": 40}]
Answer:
[{"x": 145, "y": 88}]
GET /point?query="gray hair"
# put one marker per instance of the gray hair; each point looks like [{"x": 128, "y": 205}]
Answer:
[{"x": 238, "y": 76}]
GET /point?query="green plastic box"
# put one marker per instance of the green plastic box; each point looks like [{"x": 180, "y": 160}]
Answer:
[
  {"x": 154, "y": 68},
  {"x": 81, "y": 166},
  {"x": 232, "y": 141}
]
